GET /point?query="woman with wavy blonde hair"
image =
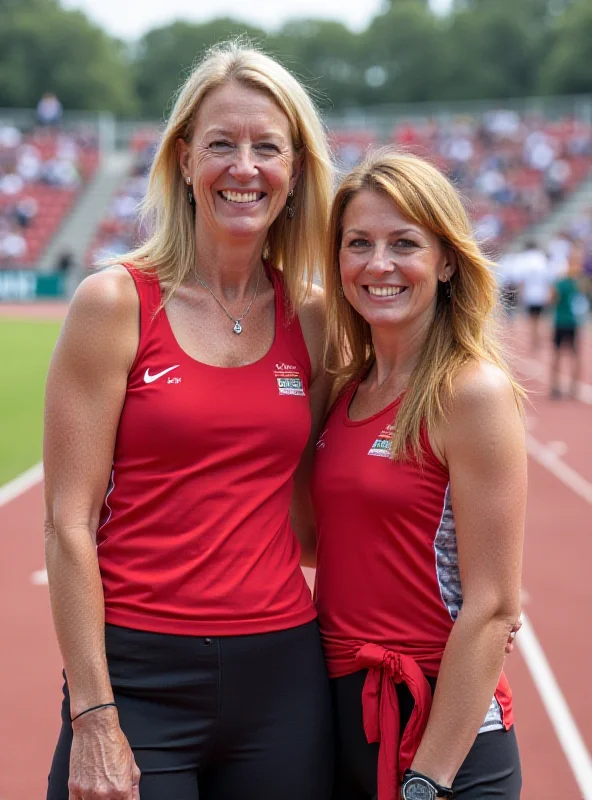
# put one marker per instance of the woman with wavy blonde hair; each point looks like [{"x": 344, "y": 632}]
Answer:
[
  {"x": 419, "y": 489},
  {"x": 178, "y": 417}
]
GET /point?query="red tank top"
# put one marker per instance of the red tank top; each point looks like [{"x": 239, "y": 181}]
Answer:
[
  {"x": 195, "y": 535},
  {"x": 387, "y": 584}
]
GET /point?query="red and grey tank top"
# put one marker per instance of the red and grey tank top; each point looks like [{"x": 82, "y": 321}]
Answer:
[
  {"x": 195, "y": 535},
  {"x": 388, "y": 586}
]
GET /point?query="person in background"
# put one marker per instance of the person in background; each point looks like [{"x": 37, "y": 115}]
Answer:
[
  {"x": 49, "y": 110},
  {"x": 180, "y": 415},
  {"x": 570, "y": 306},
  {"x": 419, "y": 490},
  {"x": 536, "y": 277},
  {"x": 64, "y": 262},
  {"x": 558, "y": 250}
]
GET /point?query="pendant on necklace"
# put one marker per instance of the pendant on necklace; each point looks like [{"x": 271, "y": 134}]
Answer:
[{"x": 238, "y": 328}]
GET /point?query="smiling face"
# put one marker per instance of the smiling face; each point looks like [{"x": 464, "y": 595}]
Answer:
[
  {"x": 390, "y": 266},
  {"x": 241, "y": 162}
]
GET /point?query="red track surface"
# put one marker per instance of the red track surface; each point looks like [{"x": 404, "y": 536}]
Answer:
[
  {"x": 558, "y": 600},
  {"x": 40, "y": 310}
]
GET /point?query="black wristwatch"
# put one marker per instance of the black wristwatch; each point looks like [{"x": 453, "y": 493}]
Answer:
[{"x": 416, "y": 786}]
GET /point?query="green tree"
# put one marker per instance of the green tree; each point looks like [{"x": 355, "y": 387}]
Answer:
[
  {"x": 325, "y": 56},
  {"x": 404, "y": 54},
  {"x": 566, "y": 69},
  {"x": 46, "y": 48},
  {"x": 541, "y": 9},
  {"x": 493, "y": 49},
  {"x": 166, "y": 55}
]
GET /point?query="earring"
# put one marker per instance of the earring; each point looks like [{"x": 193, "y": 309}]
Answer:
[
  {"x": 447, "y": 287},
  {"x": 289, "y": 207},
  {"x": 190, "y": 195},
  {"x": 341, "y": 294}
]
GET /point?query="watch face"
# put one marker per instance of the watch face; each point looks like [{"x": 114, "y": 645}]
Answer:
[{"x": 418, "y": 789}]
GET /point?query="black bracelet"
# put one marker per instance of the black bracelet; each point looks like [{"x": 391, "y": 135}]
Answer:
[{"x": 93, "y": 708}]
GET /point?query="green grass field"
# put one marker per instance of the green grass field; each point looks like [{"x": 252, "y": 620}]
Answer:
[{"x": 25, "y": 350}]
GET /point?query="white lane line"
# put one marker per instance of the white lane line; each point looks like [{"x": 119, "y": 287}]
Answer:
[
  {"x": 524, "y": 596},
  {"x": 556, "y": 706},
  {"x": 535, "y": 369},
  {"x": 558, "y": 447},
  {"x": 550, "y": 460},
  {"x": 21, "y": 484},
  {"x": 39, "y": 577}
]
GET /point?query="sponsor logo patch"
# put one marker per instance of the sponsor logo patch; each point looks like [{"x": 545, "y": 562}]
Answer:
[
  {"x": 382, "y": 444},
  {"x": 288, "y": 380}
]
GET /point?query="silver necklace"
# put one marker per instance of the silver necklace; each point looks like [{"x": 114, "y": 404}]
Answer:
[{"x": 238, "y": 328}]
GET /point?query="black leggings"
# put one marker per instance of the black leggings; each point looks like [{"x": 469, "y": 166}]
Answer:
[
  {"x": 490, "y": 770},
  {"x": 218, "y": 718}
]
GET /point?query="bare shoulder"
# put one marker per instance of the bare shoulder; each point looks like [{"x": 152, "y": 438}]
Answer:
[
  {"x": 484, "y": 416},
  {"x": 312, "y": 320},
  {"x": 109, "y": 293},
  {"x": 103, "y": 319},
  {"x": 482, "y": 387},
  {"x": 312, "y": 311}
]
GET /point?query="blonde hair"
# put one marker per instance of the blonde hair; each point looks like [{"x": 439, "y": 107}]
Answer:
[
  {"x": 462, "y": 329},
  {"x": 294, "y": 246}
]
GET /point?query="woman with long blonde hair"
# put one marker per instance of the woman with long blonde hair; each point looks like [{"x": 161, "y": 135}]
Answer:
[
  {"x": 179, "y": 405},
  {"x": 419, "y": 490}
]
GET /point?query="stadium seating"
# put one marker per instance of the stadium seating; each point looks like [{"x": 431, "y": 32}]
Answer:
[
  {"x": 41, "y": 175},
  {"x": 512, "y": 169},
  {"x": 119, "y": 230}
]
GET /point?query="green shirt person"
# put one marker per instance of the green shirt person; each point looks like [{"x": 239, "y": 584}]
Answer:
[
  {"x": 570, "y": 308},
  {"x": 567, "y": 303}
]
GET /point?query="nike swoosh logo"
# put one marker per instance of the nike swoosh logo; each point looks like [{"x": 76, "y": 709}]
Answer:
[{"x": 148, "y": 378}]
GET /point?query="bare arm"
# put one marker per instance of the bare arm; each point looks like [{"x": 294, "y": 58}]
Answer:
[
  {"x": 312, "y": 320},
  {"x": 85, "y": 392},
  {"x": 484, "y": 447}
]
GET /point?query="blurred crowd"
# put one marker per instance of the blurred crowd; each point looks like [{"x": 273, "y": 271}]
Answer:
[
  {"x": 119, "y": 229},
  {"x": 512, "y": 168},
  {"x": 41, "y": 171}
]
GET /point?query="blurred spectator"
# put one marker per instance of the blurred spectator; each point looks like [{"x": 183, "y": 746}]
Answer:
[
  {"x": 60, "y": 172},
  {"x": 488, "y": 227},
  {"x": 65, "y": 262},
  {"x": 10, "y": 183},
  {"x": 10, "y": 137},
  {"x": 25, "y": 211},
  {"x": 558, "y": 250},
  {"x": 13, "y": 247},
  {"x": 535, "y": 277},
  {"x": 557, "y": 179},
  {"x": 28, "y": 162},
  {"x": 49, "y": 110},
  {"x": 571, "y": 307},
  {"x": 539, "y": 150},
  {"x": 580, "y": 227}
]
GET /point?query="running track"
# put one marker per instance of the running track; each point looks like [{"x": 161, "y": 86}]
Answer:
[{"x": 555, "y": 646}]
